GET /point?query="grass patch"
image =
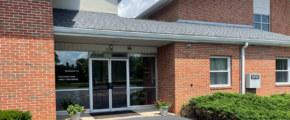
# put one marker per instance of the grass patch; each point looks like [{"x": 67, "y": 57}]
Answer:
[{"x": 234, "y": 106}]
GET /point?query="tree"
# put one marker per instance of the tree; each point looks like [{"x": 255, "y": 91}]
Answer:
[
  {"x": 84, "y": 65},
  {"x": 56, "y": 58}
]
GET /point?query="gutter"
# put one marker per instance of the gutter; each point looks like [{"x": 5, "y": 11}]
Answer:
[{"x": 243, "y": 67}]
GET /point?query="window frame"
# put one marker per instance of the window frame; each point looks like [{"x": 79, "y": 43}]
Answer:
[
  {"x": 228, "y": 70},
  {"x": 261, "y": 22},
  {"x": 288, "y": 70}
]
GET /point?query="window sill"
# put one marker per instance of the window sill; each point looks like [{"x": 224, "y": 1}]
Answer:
[
  {"x": 283, "y": 85},
  {"x": 221, "y": 88}
]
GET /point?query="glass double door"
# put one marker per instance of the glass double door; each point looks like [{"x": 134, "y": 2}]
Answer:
[{"x": 108, "y": 84}]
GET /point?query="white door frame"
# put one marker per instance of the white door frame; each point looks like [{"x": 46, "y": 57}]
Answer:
[{"x": 110, "y": 81}]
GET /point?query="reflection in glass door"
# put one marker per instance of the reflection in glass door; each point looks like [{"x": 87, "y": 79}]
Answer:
[
  {"x": 119, "y": 80},
  {"x": 142, "y": 79},
  {"x": 100, "y": 81}
]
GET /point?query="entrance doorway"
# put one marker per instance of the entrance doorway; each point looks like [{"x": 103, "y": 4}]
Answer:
[{"x": 109, "y": 84}]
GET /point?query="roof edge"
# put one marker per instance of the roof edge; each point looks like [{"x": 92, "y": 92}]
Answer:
[
  {"x": 152, "y": 9},
  {"x": 164, "y": 37}
]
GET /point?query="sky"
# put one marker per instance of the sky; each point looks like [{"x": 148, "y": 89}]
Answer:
[
  {"x": 74, "y": 56},
  {"x": 132, "y": 8}
]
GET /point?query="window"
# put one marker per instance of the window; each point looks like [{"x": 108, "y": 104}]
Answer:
[
  {"x": 220, "y": 71},
  {"x": 262, "y": 22},
  {"x": 282, "y": 71},
  {"x": 142, "y": 79},
  {"x": 71, "y": 70},
  {"x": 105, "y": 54},
  {"x": 71, "y": 78}
]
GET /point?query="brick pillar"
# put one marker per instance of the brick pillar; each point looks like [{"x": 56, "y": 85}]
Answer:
[
  {"x": 27, "y": 57},
  {"x": 166, "y": 74}
]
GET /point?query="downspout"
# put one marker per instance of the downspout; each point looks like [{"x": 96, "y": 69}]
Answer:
[{"x": 243, "y": 67}]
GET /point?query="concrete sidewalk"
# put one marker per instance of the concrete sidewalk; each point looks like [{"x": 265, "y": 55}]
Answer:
[{"x": 145, "y": 114}]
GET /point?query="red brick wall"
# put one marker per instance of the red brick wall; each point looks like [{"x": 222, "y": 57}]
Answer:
[
  {"x": 280, "y": 16},
  {"x": 166, "y": 74},
  {"x": 261, "y": 59},
  {"x": 221, "y": 11},
  {"x": 192, "y": 66},
  {"x": 168, "y": 13},
  {"x": 27, "y": 57}
]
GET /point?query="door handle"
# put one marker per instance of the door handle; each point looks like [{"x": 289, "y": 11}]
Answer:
[{"x": 110, "y": 86}]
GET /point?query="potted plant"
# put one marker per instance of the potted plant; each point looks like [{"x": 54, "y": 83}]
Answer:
[
  {"x": 66, "y": 102},
  {"x": 75, "y": 111},
  {"x": 163, "y": 106}
]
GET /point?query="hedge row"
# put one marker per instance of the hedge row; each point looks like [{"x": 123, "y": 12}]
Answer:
[
  {"x": 15, "y": 115},
  {"x": 234, "y": 106}
]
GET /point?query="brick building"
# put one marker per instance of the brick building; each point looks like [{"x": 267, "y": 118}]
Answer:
[
  {"x": 196, "y": 59},
  {"x": 176, "y": 49}
]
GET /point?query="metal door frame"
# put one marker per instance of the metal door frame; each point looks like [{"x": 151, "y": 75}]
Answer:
[{"x": 110, "y": 81}]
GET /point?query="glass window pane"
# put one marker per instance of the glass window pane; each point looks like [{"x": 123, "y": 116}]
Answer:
[
  {"x": 257, "y": 18},
  {"x": 218, "y": 64},
  {"x": 217, "y": 78},
  {"x": 142, "y": 96},
  {"x": 98, "y": 54},
  {"x": 281, "y": 76},
  {"x": 265, "y": 19},
  {"x": 80, "y": 97},
  {"x": 119, "y": 54},
  {"x": 71, "y": 70},
  {"x": 104, "y": 54},
  {"x": 142, "y": 70},
  {"x": 257, "y": 26},
  {"x": 100, "y": 81},
  {"x": 281, "y": 64},
  {"x": 119, "y": 80},
  {"x": 265, "y": 27}
]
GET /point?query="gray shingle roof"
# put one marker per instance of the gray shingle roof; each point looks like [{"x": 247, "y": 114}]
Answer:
[{"x": 103, "y": 21}]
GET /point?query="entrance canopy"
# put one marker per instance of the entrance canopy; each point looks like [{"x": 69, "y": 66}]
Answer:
[{"x": 84, "y": 23}]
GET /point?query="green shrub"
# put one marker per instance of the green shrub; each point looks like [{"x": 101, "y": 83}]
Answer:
[
  {"x": 234, "y": 106},
  {"x": 188, "y": 111},
  {"x": 15, "y": 115}
]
